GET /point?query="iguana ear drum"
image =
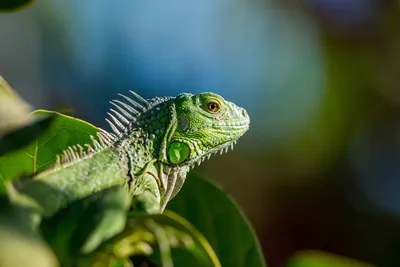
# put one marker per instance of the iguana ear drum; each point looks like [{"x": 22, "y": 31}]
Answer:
[{"x": 178, "y": 152}]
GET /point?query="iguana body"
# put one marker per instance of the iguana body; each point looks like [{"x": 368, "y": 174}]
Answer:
[{"x": 154, "y": 145}]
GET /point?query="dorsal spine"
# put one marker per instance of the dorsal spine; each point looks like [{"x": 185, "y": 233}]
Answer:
[{"x": 121, "y": 122}]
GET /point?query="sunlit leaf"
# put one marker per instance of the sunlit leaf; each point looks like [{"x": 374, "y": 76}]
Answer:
[
  {"x": 63, "y": 132},
  {"x": 221, "y": 221}
]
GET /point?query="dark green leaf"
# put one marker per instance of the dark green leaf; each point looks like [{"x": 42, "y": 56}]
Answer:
[
  {"x": 314, "y": 258},
  {"x": 13, "y": 5},
  {"x": 221, "y": 221},
  {"x": 82, "y": 226},
  {"x": 3, "y": 188},
  {"x": 63, "y": 132}
]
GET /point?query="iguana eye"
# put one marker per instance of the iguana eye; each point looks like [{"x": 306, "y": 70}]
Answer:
[{"x": 213, "y": 106}]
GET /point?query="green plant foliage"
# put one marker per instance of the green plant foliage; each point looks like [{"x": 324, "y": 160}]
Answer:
[
  {"x": 24, "y": 136},
  {"x": 314, "y": 258},
  {"x": 13, "y": 5},
  {"x": 82, "y": 226},
  {"x": 146, "y": 234},
  {"x": 40, "y": 154},
  {"x": 19, "y": 139},
  {"x": 220, "y": 220},
  {"x": 19, "y": 244}
]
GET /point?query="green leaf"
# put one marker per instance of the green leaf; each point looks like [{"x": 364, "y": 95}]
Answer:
[
  {"x": 221, "y": 221},
  {"x": 20, "y": 245},
  {"x": 314, "y": 258},
  {"x": 82, "y": 226},
  {"x": 154, "y": 234},
  {"x": 23, "y": 136},
  {"x": 63, "y": 132},
  {"x": 13, "y": 5}
]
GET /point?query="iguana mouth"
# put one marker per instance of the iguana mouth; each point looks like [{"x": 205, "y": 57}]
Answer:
[
  {"x": 239, "y": 124},
  {"x": 231, "y": 128}
]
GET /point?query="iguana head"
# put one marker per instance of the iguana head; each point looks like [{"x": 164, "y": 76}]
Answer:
[{"x": 205, "y": 124}]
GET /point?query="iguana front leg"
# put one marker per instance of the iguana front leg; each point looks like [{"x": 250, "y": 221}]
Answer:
[
  {"x": 145, "y": 190},
  {"x": 146, "y": 202},
  {"x": 160, "y": 187}
]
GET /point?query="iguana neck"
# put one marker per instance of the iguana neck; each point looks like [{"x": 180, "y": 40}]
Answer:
[
  {"x": 146, "y": 149},
  {"x": 140, "y": 147}
]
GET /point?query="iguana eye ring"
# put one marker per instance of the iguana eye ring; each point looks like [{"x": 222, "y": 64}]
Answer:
[{"x": 213, "y": 106}]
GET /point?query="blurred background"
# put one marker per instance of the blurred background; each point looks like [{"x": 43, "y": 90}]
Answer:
[{"x": 320, "y": 79}]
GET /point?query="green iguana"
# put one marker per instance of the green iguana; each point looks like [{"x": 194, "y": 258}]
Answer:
[{"x": 154, "y": 145}]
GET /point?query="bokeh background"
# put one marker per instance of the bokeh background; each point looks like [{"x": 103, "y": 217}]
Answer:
[{"x": 320, "y": 166}]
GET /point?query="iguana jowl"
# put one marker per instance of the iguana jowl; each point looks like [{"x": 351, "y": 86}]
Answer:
[{"x": 154, "y": 145}]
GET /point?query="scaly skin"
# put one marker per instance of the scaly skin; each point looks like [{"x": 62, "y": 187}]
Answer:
[{"x": 157, "y": 143}]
